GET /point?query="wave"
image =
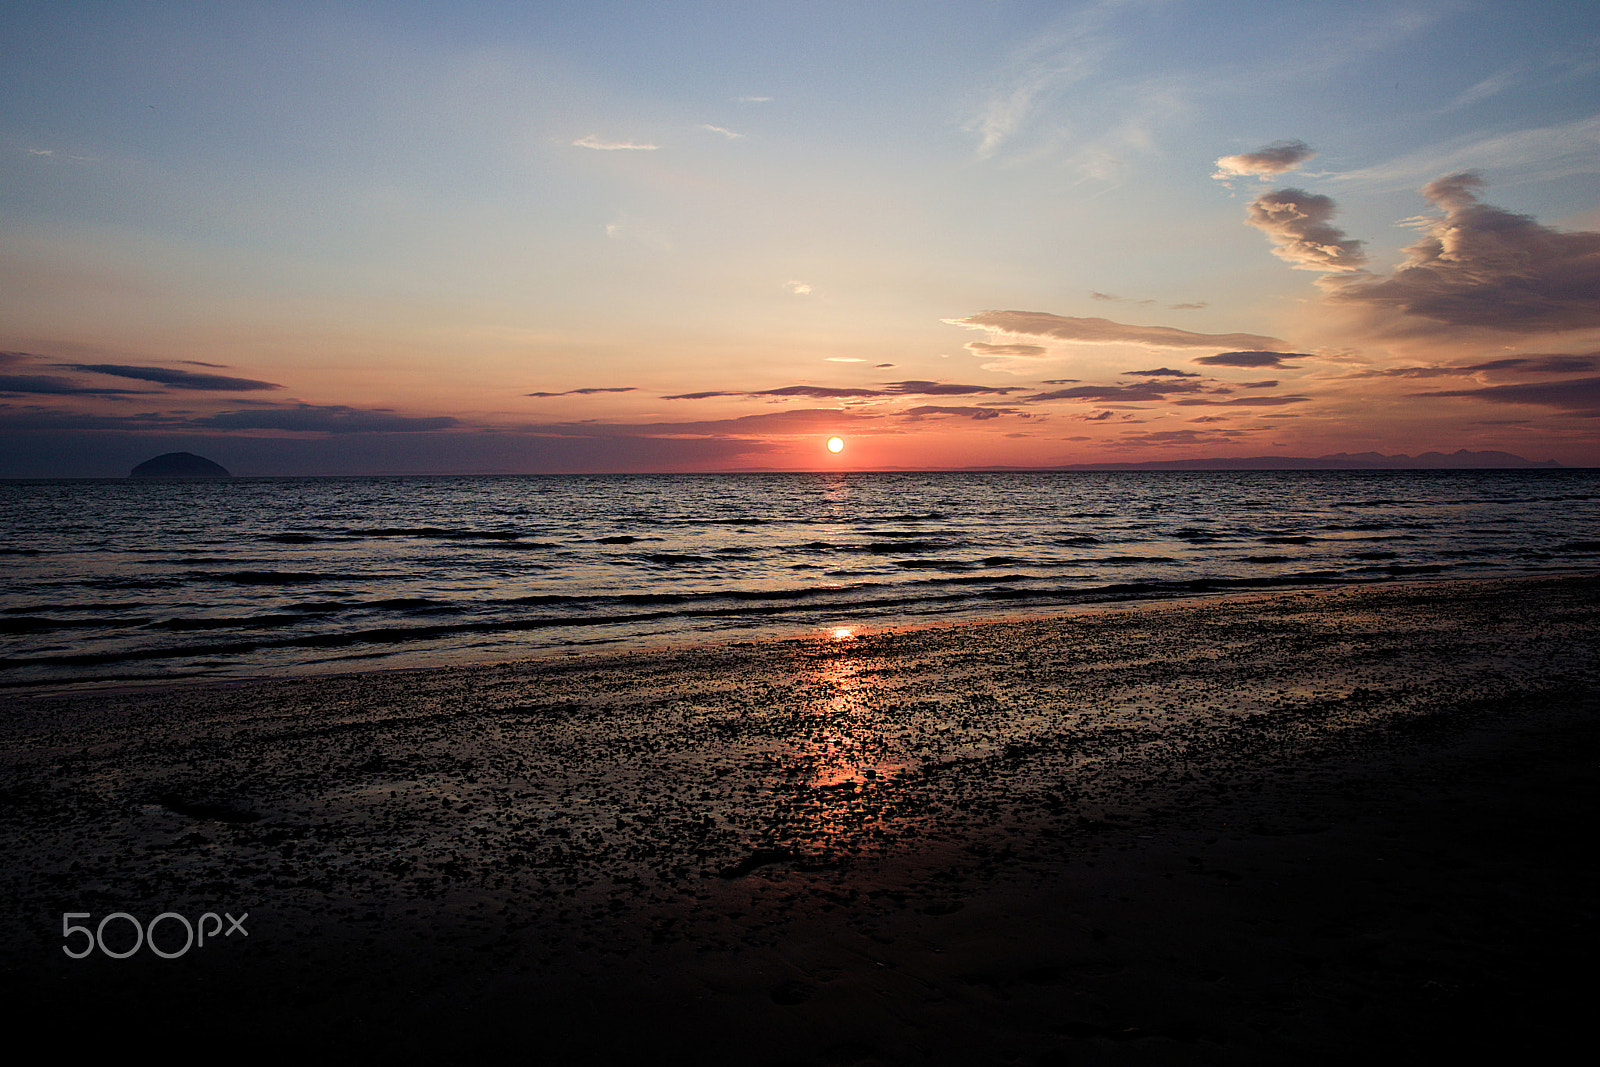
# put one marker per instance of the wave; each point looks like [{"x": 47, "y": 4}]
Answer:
[
  {"x": 248, "y": 622},
  {"x": 373, "y": 567},
  {"x": 33, "y": 624},
  {"x": 268, "y": 577},
  {"x": 441, "y": 534}
]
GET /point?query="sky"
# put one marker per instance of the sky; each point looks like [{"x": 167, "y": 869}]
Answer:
[{"x": 525, "y": 237}]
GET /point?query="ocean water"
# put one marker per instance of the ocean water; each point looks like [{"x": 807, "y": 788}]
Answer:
[{"x": 108, "y": 581}]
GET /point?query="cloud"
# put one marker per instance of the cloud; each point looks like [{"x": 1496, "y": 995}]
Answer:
[
  {"x": 828, "y": 392},
  {"x": 1576, "y": 395},
  {"x": 53, "y": 385},
  {"x": 917, "y": 388},
  {"x": 981, "y": 348},
  {"x": 979, "y": 414},
  {"x": 1480, "y": 266},
  {"x": 1243, "y": 402},
  {"x": 330, "y": 418},
  {"x": 1494, "y": 84},
  {"x": 1515, "y": 364},
  {"x": 592, "y": 141},
  {"x": 1056, "y": 95},
  {"x": 1541, "y": 153},
  {"x": 819, "y": 392},
  {"x": 816, "y": 392},
  {"x": 1036, "y": 76},
  {"x": 798, "y": 288},
  {"x": 1188, "y": 307},
  {"x": 28, "y": 420},
  {"x": 1275, "y": 158},
  {"x": 1165, "y": 438},
  {"x": 729, "y": 134},
  {"x": 1162, "y": 372},
  {"x": 1250, "y": 359},
  {"x": 1104, "y": 394},
  {"x": 176, "y": 379},
  {"x": 752, "y": 99},
  {"x": 1297, "y": 224},
  {"x": 1105, "y": 332},
  {"x": 794, "y": 421},
  {"x": 586, "y": 392}
]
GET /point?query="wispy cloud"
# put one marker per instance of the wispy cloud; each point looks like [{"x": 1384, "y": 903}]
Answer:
[
  {"x": 1037, "y": 76},
  {"x": 985, "y": 349},
  {"x": 1243, "y": 402},
  {"x": 1105, "y": 394},
  {"x": 54, "y": 385},
  {"x": 1251, "y": 359},
  {"x": 1579, "y": 396},
  {"x": 325, "y": 418},
  {"x": 1533, "y": 154},
  {"x": 1553, "y": 364},
  {"x": 798, "y": 288},
  {"x": 1105, "y": 331},
  {"x": 586, "y": 392},
  {"x": 814, "y": 392},
  {"x": 829, "y": 392},
  {"x": 1171, "y": 438},
  {"x": 594, "y": 142},
  {"x": 729, "y": 134},
  {"x": 1493, "y": 85},
  {"x": 919, "y": 388},
  {"x": 176, "y": 379},
  {"x": 925, "y": 411}
]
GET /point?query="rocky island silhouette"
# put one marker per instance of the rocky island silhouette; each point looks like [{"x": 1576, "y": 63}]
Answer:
[{"x": 179, "y": 465}]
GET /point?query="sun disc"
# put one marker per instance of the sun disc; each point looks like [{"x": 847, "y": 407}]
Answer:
[{"x": 835, "y": 444}]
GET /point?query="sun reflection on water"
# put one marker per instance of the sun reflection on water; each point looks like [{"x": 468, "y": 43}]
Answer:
[{"x": 840, "y": 753}]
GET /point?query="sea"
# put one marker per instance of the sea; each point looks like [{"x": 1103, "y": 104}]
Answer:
[{"x": 114, "y": 581}]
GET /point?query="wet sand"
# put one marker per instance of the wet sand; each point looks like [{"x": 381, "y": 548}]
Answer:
[{"x": 1298, "y": 827}]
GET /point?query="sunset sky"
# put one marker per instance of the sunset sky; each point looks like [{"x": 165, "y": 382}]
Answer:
[{"x": 330, "y": 238}]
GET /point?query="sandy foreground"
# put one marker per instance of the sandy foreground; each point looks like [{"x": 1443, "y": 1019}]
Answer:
[{"x": 1298, "y": 827}]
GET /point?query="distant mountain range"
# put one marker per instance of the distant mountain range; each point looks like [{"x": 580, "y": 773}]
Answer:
[{"x": 1460, "y": 459}]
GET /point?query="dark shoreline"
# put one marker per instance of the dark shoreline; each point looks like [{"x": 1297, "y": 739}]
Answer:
[{"x": 1368, "y": 837}]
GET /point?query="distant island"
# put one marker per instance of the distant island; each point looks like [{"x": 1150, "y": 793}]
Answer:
[{"x": 179, "y": 465}]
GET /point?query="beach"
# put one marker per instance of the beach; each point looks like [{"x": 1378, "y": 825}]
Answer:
[{"x": 1257, "y": 828}]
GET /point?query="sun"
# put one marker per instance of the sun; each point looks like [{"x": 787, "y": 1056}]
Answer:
[{"x": 835, "y": 444}]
